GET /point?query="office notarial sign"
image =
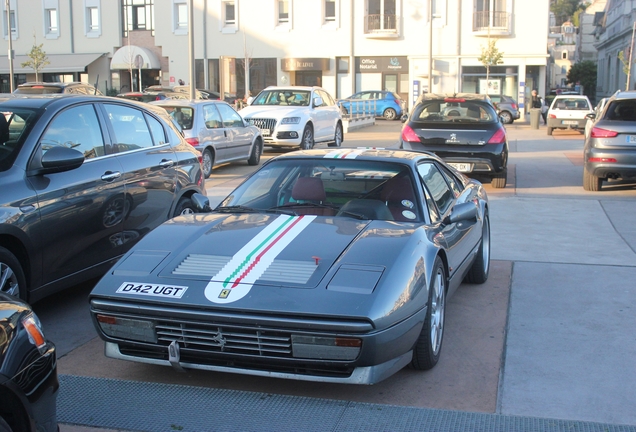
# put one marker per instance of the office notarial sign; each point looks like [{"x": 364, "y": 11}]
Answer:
[
  {"x": 382, "y": 64},
  {"x": 304, "y": 64}
]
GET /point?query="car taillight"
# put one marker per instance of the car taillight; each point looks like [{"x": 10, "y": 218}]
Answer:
[
  {"x": 498, "y": 137},
  {"x": 192, "y": 141},
  {"x": 514, "y": 106},
  {"x": 409, "y": 135},
  {"x": 602, "y": 133},
  {"x": 552, "y": 116},
  {"x": 597, "y": 159}
]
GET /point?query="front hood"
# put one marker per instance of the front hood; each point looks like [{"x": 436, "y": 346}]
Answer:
[
  {"x": 269, "y": 111},
  {"x": 234, "y": 252}
]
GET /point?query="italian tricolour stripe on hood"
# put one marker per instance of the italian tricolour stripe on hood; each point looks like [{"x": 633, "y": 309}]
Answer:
[{"x": 235, "y": 280}]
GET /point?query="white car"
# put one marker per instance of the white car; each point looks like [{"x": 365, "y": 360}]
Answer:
[
  {"x": 295, "y": 116},
  {"x": 568, "y": 112},
  {"x": 597, "y": 111}
]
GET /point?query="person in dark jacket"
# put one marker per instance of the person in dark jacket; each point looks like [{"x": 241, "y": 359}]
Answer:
[{"x": 537, "y": 102}]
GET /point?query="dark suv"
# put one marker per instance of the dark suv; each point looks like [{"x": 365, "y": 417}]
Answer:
[
  {"x": 33, "y": 88},
  {"x": 464, "y": 130},
  {"x": 83, "y": 179}
]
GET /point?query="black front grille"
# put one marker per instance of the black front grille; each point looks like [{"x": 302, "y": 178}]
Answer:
[{"x": 225, "y": 338}]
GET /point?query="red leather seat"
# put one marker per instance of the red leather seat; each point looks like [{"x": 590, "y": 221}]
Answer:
[
  {"x": 310, "y": 190},
  {"x": 399, "y": 197}
]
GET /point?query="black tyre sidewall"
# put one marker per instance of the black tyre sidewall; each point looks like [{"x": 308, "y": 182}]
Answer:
[
  {"x": 209, "y": 152},
  {"x": 10, "y": 260},
  {"x": 182, "y": 204}
]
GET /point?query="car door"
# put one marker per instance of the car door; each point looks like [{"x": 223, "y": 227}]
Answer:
[
  {"x": 149, "y": 168},
  {"x": 460, "y": 237},
  {"x": 81, "y": 210},
  {"x": 215, "y": 134},
  {"x": 239, "y": 135},
  {"x": 326, "y": 115}
]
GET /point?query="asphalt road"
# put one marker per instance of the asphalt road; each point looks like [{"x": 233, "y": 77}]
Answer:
[{"x": 549, "y": 335}]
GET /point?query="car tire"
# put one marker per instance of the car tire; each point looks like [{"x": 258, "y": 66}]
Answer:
[
  {"x": 389, "y": 114},
  {"x": 591, "y": 182},
  {"x": 184, "y": 206},
  {"x": 506, "y": 117},
  {"x": 4, "y": 426},
  {"x": 479, "y": 271},
  {"x": 207, "y": 162},
  {"x": 429, "y": 344},
  {"x": 549, "y": 130},
  {"x": 337, "y": 137},
  {"x": 499, "y": 180},
  {"x": 307, "y": 142},
  {"x": 11, "y": 275},
  {"x": 255, "y": 155}
]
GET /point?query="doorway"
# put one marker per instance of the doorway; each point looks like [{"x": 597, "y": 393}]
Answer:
[{"x": 309, "y": 78}]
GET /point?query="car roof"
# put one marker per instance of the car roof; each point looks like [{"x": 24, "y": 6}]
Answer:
[
  {"x": 467, "y": 96},
  {"x": 53, "y": 84},
  {"x": 629, "y": 94},
  {"x": 187, "y": 102},
  {"x": 44, "y": 101},
  {"x": 361, "y": 153},
  {"x": 308, "y": 88}
]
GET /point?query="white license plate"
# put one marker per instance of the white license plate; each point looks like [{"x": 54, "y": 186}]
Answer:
[
  {"x": 631, "y": 139},
  {"x": 569, "y": 122},
  {"x": 169, "y": 291},
  {"x": 461, "y": 167},
  {"x": 265, "y": 132}
]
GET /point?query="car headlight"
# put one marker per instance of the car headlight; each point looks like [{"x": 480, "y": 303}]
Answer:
[
  {"x": 32, "y": 325},
  {"x": 290, "y": 120}
]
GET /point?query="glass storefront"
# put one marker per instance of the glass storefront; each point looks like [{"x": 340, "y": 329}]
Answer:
[{"x": 501, "y": 80}]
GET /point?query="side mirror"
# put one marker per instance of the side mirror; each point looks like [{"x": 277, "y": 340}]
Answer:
[
  {"x": 404, "y": 118},
  {"x": 462, "y": 212},
  {"x": 250, "y": 100},
  {"x": 590, "y": 116},
  {"x": 60, "y": 159},
  {"x": 317, "y": 101},
  {"x": 201, "y": 203}
]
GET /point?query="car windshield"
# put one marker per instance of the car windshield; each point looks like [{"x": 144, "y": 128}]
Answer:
[
  {"x": 13, "y": 130},
  {"x": 283, "y": 97},
  {"x": 182, "y": 115},
  {"x": 566, "y": 103},
  {"x": 448, "y": 110},
  {"x": 350, "y": 188},
  {"x": 39, "y": 90},
  {"x": 621, "y": 110}
]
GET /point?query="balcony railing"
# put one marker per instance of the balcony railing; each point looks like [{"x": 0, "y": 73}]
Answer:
[
  {"x": 497, "y": 23},
  {"x": 381, "y": 25}
]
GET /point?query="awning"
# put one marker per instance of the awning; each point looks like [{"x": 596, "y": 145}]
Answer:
[
  {"x": 58, "y": 63},
  {"x": 134, "y": 56}
]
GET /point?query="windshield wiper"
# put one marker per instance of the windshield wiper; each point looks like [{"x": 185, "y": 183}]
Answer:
[{"x": 245, "y": 209}]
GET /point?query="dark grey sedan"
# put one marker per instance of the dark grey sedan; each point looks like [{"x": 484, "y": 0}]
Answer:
[
  {"x": 83, "y": 179},
  {"x": 215, "y": 129},
  {"x": 610, "y": 147}
]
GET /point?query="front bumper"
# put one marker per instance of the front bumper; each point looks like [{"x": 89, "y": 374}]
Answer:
[
  {"x": 381, "y": 354},
  {"x": 279, "y": 135}
]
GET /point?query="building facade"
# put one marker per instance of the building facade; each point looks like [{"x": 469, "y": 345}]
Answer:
[
  {"x": 343, "y": 45},
  {"x": 615, "y": 35}
]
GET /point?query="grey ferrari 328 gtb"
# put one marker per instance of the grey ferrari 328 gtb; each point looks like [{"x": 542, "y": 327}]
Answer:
[{"x": 326, "y": 265}]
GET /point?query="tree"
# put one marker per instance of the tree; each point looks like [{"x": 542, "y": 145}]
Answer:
[
  {"x": 490, "y": 56},
  {"x": 584, "y": 73},
  {"x": 38, "y": 60},
  {"x": 564, "y": 9},
  {"x": 627, "y": 67}
]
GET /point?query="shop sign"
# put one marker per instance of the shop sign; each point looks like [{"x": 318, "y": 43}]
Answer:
[
  {"x": 381, "y": 64},
  {"x": 304, "y": 64}
]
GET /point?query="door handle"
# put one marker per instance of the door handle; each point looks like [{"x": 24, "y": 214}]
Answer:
[
  {"x": 225, "y": 133},
  {"x": 110, "y": 176},
  {"x": 165, "y": 163}
]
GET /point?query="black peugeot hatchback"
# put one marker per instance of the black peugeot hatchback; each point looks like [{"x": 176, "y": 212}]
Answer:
[{"x": 464, "y": 130}]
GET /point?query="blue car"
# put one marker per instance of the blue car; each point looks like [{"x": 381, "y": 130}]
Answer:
[{"x": 386, "y": 104}]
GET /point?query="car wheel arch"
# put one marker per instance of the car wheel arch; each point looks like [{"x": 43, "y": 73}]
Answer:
[{"x": 19, "y": 250}]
